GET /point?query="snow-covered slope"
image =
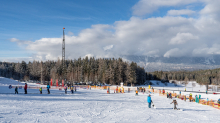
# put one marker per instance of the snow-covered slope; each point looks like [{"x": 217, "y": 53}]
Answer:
[{"x": 97, "y": 106}]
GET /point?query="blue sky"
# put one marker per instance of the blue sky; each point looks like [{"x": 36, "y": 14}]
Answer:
[
  {"x": 31, "y": 29},
  {"x": 33, "y": 20}
]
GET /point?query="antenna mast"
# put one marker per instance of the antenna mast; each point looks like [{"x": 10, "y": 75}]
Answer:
[{"x": 63, "y": 53}]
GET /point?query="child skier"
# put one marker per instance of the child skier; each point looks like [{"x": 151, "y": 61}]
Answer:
[
  {"x": 40, "y": 90},
  {"x": 136, "y": 92},
  {"x": 72, "y": 89},
  {"x": 48, "y": 88},
  {"x": 190, "y": 97},
  {"x": 149, "y": 101},
  {"x": 175, "y": 103},
  {"x": 65, "y": 88},
  {"x": 16, "y": 90}
]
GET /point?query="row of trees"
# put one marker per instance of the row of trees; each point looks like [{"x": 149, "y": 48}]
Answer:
[
  {"x": 202, "y": 77},
  {"x": 109, "y": 71}
]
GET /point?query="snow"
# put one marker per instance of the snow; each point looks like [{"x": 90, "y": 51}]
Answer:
[{"x": 96, "y": 106}]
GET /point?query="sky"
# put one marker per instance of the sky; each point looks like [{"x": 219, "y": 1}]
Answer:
[{"x": 32, "y": 30}]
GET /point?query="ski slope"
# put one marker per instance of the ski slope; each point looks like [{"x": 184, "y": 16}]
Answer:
[{"x": 97, "y": 106}]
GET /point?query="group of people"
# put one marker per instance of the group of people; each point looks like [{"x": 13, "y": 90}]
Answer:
[
  {"x": 40, "y": 89},
  {"x": 169, "y": 95},
  {"x": 149, "y": 100}
]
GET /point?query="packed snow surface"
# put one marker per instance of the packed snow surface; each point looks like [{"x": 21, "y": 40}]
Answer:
[{"x": 94, "y": 106}]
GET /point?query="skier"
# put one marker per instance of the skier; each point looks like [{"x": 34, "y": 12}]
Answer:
[
  {"x": 48, "y": 88},
  {"x": 25, "y": 88},
  {"x": 167, "y": 95},
  {"x": 16, "y": 90},
  {"x": 149, "y": 101},
  {"x": 65, "y": 88},
  {"x": 175, "y": 103},
  {"x": 72, "y": 89},
  {"x": 163, "y": 91},
  {"x": 136, "y": 92},
  {"x": 40, "y": 90},
  {"x": 190, "y": 97},
  {"x": 185, "y": 98}
]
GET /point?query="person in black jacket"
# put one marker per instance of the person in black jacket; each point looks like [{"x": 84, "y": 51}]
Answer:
[{"x": 16, "y": 90}]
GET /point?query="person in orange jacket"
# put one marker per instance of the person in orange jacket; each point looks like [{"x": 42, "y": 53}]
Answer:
[
  {"x": 136, "y": 92},
  {"x": 163, "y": 91}
]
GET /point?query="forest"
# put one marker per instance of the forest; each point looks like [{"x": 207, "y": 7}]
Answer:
[
  {"x": 108, "y": 71},
  {"x": 203, "y": 77}
]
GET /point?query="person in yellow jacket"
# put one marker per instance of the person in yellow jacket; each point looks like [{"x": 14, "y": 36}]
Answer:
[
  {"x": 40, "y": 90},
  {"x": 71, "y": 88}
]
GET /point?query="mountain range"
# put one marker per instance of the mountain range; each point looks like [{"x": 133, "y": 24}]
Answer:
[{"x": 175, "y": 63}]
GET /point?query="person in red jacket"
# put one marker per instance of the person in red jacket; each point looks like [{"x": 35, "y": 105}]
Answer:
[{"x": 25, "y": 88}]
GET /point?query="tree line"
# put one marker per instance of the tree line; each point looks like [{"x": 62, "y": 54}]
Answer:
[
  {"x": 109, "y": 71},
  {"x": 203, "y": 77}
]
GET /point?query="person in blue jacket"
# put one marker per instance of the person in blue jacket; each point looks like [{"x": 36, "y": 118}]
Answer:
[
  {"x": 149, "y": 101},
  {"x": 48, "y": 88}
]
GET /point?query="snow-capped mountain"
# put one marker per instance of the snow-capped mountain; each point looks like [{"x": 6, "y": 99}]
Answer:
[{"x": 175, "y": 63}]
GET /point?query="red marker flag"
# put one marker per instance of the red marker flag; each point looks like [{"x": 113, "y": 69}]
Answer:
[
  {"x": 62, "y": 83},
  {"x": 51, "y": 82},
  {"x": 57, "y": 82}
]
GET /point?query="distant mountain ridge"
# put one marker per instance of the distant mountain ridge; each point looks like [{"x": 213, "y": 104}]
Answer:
[{"x": 175, "y": 63}]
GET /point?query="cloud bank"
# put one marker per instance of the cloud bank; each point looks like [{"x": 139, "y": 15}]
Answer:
[{"x": 172, "y": 35}]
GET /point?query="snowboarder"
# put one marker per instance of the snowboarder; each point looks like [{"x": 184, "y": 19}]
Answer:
[
  {"x": 40, "y": 90},
  {"x": 16, "y": 90},
  {"x": 175, "y": 103},
  {"x": 72, "y": 89},
  {"x": 149, "y": 101},
  {"x": 65, "y": 88},
  {"x": 25, "y": 88},
  {"x": 48, "y": 88}
]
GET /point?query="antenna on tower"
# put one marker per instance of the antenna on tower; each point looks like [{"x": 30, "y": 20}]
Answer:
[{"x": 63, "y": 52}]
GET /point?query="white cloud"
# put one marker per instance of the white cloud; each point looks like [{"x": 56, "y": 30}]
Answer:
[
  {"x": 108, "y": 47},
  {"x": 180, "y": 12},
  {"x": 182, "y": 38},
  {"x": 166, "y": 36},
  {"x": 148, "y": 6}
]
